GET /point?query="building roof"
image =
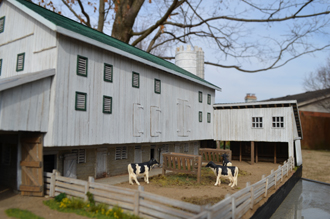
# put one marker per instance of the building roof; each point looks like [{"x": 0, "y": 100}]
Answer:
[
  {"x": 79, "y": 31},
  {"x": 305, "y": 98},
  {"x": 264, "y": 104}
]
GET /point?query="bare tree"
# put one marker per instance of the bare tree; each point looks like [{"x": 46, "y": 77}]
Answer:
[
  {"x": 320, "y": 81},
  {"x": 241, "y": 33}
]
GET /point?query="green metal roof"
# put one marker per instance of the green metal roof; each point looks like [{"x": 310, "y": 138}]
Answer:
[{"x": 81, "y": 29}]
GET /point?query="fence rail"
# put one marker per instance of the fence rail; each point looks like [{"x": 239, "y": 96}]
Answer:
[
  {"x": 150, "y": 205},
  {"x": 209, "y": 154}
]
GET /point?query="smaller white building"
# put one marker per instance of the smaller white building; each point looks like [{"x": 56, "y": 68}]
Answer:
[{"x": 259, "y": 130}]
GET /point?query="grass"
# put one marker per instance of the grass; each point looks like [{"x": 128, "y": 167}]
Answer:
[
  {"x": 78, "y": 206},
  {"x": 204, "y": 200},
  {"x": 22, "y": 214}
]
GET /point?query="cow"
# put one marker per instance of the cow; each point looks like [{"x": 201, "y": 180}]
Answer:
[
  {"x": 229, "y": 172},
  {"x": 136, "y": 169},
  {"x": 225, "y": 161}
]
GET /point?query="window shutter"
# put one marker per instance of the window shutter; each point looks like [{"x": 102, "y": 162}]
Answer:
[
  {"x": 82, "y": 66},
  {"x": 20, "y": 62},
  {"x": 136, "y": 80},
  {"x": 2, "y": 24},
  {"x": 124, "y": 153},
  {"x": 157, "y": 86},
  {"x": 107, "y": 104},
  {"x": 200, "y": 96},
  {"x": 208, "y": 117},
  {"x": 118, "y": 153},
  {"x": 209, "y": 99},
  {"x": 81, "y": 155},
  {"x": 121, "y": 153},
  {"x": 107, "y": 73},
  {"x": 81, "y": 99}
]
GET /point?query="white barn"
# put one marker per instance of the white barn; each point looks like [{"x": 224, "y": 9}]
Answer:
[
  {"x": 259, "y": 130},
  {"x": 86, "y": 104}
]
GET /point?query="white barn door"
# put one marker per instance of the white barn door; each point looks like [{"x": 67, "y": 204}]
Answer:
[
  {"x": 101, "y": 162},
  {"x": 137, "y": 154},
  {"x": 70, "y": 165}
]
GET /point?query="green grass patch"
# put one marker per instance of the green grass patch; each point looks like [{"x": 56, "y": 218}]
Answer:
[{"x": 22, "y": 214}]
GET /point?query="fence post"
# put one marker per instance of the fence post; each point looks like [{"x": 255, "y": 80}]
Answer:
[
  {"x": 52, "y": 184},
  {"x": 199, "y": 169},
  {"x": 233, "y": 207},
  {"x": 275, "y": 177},
  {"x": 87, "y": 185},
  {"x": 266, "y": 187},
  {"x": 287, "y": 169}
]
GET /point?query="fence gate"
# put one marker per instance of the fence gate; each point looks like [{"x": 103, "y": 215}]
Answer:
[{"x": 32, "y": 166}]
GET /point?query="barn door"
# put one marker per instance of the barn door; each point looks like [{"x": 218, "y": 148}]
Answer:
[
  {"x": 101, "y": 162},
  {"x": 70, "y": 165},
  {"x": 137, "y": 154},
  {"x": 32, "y": 167}
]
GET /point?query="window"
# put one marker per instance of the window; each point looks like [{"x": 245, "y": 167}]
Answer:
[
  {"x": 256, "y": 122},
  {"x": 107, "y": 104},
  {"x": 200, "y": 96},
  {"x": 157, "y": 86},
  {"x": 209, "y": 117},
  {"x": 135, "y": 80},
  {"x": 121, "y": 153},
  {"x": 209, "y": 99},
  {"x": 278, "y": 122},
  {"x": 185, "y": 148},
  {"x": 20, "y": 62},
  {"x": 200, "y": 116},
  {"x": 81, "y": 99},
  {"x": 0, "y": 66},
  {"x": 107, "y": 72},
  {"x": 82, "y": 64},
  {"x": 2, "y": 24},
  {"x": 81, "y": 155}
]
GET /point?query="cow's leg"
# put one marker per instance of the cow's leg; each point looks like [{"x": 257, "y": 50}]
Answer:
[
  {"x": 135, "y": 178},
  {"x": 130, "y": 179},
  {"x": 147, "y": 177}
]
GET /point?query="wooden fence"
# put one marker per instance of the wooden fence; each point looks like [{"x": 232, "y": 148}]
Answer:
[
  {"x": 141, "y": 203},
  {"x": 150, "y": 205},
  {"x": 209, "y": 154},
  {"x": 183, "y": 163},
  {"x": 237, "y": 204}
]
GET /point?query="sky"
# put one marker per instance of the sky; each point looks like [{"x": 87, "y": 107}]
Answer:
[{"x": 283, "y": 81}]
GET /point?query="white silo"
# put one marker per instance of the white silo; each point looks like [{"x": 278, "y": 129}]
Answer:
[{"x": 190, "y": 59}]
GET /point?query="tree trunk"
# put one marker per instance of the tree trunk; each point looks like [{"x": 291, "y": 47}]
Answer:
[{"x": 126, "y": 12}]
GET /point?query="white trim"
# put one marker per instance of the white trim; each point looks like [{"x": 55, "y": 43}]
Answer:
[
  {"x": 256, "y": 103},
  {"x": 10, "y": 82},
  {"x": 33, "y": 14}
]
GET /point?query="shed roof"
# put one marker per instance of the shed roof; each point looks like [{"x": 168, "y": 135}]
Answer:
[{"x": 79, "y": 31}]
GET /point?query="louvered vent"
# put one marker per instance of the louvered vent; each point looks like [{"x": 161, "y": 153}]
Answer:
[
  {"x": 124, "y": 153},
  {"x": 81, "y": 101},
  {"x": 2, "y": 24},
  {"x": 200, "y": 96},
  {"x": 20, "y": 62},
  {"x": 107, "y": 104},
  {"x": 82, "y": 66},
  {"x": 108, "y": 73},
  {"x": 121, "y": 153},
  {"x": 136, "y": 80},
  {"x": 209, "y": 99},
  {"x": 200, "y": 116},
  {"x": 81, "y": 155},
  {"x": 157, "y": 86},
  {"x": 208, "y": 117}
]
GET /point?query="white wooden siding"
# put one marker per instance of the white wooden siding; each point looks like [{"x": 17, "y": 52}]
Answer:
[
  {"x": 23, "y": 34},
  {"x": 236, "y": 125},
  {"x": 26, "y": 107},
  {"x": 71, "y": 127}
]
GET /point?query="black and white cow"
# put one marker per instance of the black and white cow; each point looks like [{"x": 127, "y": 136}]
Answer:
[
  {"x": 228, "y": 172},
  {"x": 136, "y": 169},
  {"x": 225, "y": 161}
]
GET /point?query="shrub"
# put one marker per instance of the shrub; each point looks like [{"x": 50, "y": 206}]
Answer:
[{"x": 60, "y": 197}]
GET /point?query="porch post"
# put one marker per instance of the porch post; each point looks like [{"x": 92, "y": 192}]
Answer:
[
  {"x": 274, "y": 152},
  {"x": 252, "y": 152},
  {"x": 240, "y": 151}
]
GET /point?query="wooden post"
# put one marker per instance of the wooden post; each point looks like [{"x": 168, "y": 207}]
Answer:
[
  {"x": 240, "y": 151},
  {"x": 275, "y": 176},
  {"x": 164, "y": 162},
  {"x": 233, "y": 207},
  {"x": 252, "y": 152},
  {"x": 266, "y": 187},
  {"x": 257, "y": 146},
  {"x": 136, "y": 202},
  {"x": 275, "y": 152},
  {"x": 218, "y": 145},
  {"x": 52, "y": 184},
  {"x": 199, "y": 169},
  {"x": 90, "y": 180}
]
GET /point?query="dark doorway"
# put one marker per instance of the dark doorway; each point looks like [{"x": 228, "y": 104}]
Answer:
[
  {"x": 49, "y": 163},
  {"x": 152, "y": 153}
]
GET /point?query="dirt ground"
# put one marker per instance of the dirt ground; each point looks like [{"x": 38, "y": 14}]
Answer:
[{"x": 315, "y": 166}]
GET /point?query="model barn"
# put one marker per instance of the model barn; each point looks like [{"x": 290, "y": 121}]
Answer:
[{"x": 86, "y": 104}]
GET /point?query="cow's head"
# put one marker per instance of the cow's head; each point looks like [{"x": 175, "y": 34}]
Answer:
[
  {"x": 210, "y": 164},
  {"x": 224, "y": 155},
  {"x": 153, "y": 162}
]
